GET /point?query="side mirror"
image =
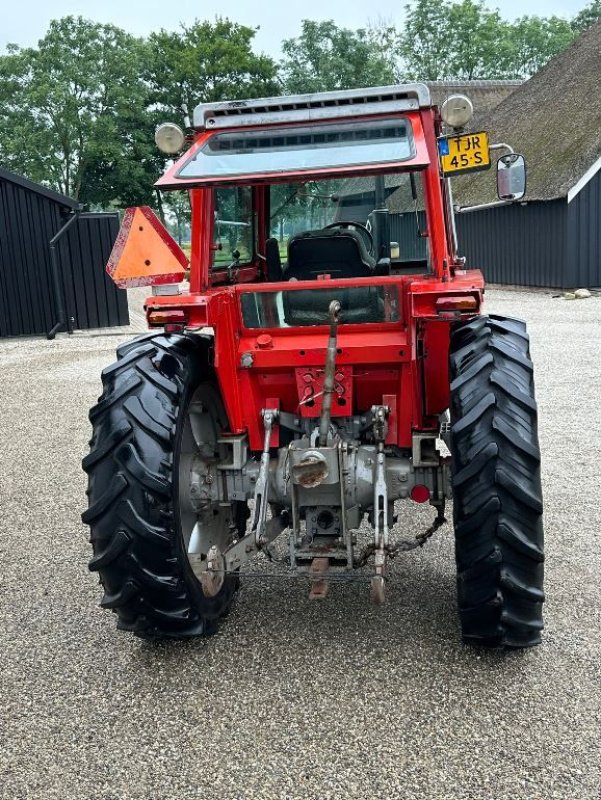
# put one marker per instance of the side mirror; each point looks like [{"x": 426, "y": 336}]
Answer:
[{"x": 511, "y": 177}]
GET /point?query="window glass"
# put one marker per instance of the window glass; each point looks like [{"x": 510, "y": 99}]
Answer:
[
  {"x": 296, "y": 208},
  {"x": 291, "y": 308},
  {"x": 177, "y": 217},
  {"x": 301, "y": 147},
  {"x": 234, "y": 228}
]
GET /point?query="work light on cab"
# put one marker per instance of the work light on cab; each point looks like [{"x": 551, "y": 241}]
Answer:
[
  {"x": 457, "y": 110},
  {"x": 169, "y": 138}
]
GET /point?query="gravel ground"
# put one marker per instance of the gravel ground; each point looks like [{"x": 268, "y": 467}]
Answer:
[{"x": 294, "y": 699}]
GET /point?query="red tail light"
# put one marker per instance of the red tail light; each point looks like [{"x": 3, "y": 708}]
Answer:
[
  {"x": 158, "y": 317},
  {"x": 420, "y": 493},
  {"x": 456, "y": 304}
]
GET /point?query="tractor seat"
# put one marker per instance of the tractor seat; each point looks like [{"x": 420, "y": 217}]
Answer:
[{"x": 340, "y": 253}]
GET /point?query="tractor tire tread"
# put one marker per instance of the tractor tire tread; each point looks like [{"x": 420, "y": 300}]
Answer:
[
  {"x": 496, "y": 483},
  {"x": 138, "y": 552}
]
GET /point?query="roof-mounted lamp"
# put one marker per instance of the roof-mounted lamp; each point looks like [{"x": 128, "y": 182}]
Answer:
[
  {"x": 169, "y": 138},
  {"x": 457, "y": 110}
]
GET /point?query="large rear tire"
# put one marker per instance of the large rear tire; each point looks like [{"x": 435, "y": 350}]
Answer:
[
  {"x": 496, "y": 483},
  {"x": 139, "y": 511}
]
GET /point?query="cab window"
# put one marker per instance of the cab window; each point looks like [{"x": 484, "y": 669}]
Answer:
[{"x": 234, "y": 228}]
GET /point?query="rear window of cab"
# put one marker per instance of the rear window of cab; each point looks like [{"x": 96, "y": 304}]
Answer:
[{"x": 301, "y": 147}]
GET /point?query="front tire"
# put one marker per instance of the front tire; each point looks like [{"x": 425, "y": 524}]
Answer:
[
  {"x": 140, "y": 528},
  {"x": 496, "y": 483}
]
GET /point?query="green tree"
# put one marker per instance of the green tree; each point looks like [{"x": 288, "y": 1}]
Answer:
[
  {"x": 425, "y": 45},
  {"x": 445, "y": 40},
  {"x": 207, "y": 62},
  {"x": 479, "y": 41},
  {"x": 534, "y": 40},
  {"x": 585, "y": 18},
  {"x": 454, "y": 41},
  {"x": 325, "y": 57},
  {"x": 176, "y": 209},
  {"x": 72, "y": 113},
  {"x": 385, "y": 39}
]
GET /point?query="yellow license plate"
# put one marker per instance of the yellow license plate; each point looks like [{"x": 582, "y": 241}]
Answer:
[{"x": 467, "y": 152}]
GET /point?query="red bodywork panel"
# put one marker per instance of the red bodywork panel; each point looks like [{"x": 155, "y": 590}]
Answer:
[
  {"x": 309, "y": 386},
  {"x": 403, "y": 362}
]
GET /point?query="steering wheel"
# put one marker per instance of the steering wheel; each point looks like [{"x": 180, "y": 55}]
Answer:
[{"x": 365, "y": 233}]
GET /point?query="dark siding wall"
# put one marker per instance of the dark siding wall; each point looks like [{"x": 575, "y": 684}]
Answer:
[
  {"x": 584, "y": 235},
  {"x": 91, "y": 297},
  {"x": 523, "y": 245},
  {"x": 28, "y": 221},
  {"x": 404, "y": 230}
]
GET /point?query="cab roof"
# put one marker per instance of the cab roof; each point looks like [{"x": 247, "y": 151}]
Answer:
[{"x": 312, "y": 107}]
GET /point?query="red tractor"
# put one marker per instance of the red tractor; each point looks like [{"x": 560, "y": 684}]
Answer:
[{"x": 329, "y": 349}]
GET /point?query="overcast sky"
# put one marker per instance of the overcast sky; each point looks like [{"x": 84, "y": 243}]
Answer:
[{"x": 24, "y": 24}]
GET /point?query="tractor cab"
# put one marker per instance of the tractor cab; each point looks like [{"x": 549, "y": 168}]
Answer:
[{"x": 315, "y": 191}]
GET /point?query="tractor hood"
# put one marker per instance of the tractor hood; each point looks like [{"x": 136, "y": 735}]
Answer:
[{"x": 282, "y": 152}]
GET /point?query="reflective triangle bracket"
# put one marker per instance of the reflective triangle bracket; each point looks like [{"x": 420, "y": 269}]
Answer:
[{"x": 144, "y": 254}]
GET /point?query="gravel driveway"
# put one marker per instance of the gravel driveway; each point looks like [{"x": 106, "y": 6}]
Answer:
[{"x": 295, "y": 699}]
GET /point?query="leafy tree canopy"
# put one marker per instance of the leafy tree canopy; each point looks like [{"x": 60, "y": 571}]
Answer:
[
  {"x": 533, "y": 41},
  {"x": 72, "y": 110},
  {"x": 206, "y": 62},
  {"x": 325, "y": 57},
  {"x": 467, "y": 41},
  {"x": 585, "y": 18}
]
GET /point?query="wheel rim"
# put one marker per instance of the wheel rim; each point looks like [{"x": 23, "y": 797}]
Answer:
[{"x": 206, "y": 525}]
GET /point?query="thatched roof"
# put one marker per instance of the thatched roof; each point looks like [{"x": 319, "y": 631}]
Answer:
[{"x": 554, "y": 119}]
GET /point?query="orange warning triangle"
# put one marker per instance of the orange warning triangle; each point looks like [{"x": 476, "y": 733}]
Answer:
[{"x": 144, "y": 253}]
